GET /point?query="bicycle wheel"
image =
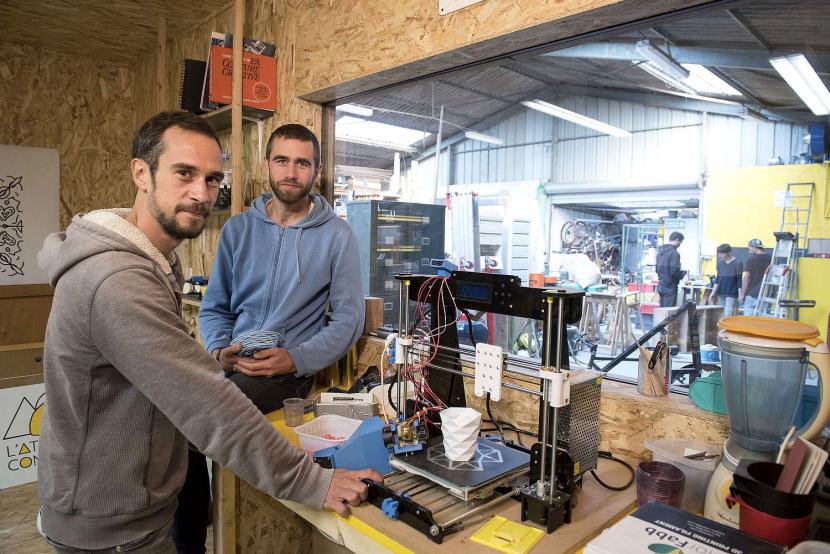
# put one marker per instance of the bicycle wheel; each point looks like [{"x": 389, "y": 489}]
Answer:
[
  {"x": 568, "y": 234},
  {"x": 582, "y": 230}
]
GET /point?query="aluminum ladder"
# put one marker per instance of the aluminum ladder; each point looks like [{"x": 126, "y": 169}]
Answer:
[
  {"x": 778, "y": 296},
  {"x": 779, "y": 282},
  {"x": 795, "y": 217}
]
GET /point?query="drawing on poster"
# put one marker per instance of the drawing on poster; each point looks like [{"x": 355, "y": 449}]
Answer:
[{"x": 11, "y": 225}]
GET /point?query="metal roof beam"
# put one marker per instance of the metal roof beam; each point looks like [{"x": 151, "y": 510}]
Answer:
[
  {"x": 744, "y": 23},
  {"x": 474, "y": 91},
  {"x": 736, "y": 58}
]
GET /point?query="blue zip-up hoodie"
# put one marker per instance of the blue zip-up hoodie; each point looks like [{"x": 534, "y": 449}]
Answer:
[{"x": 267, "y": 277}]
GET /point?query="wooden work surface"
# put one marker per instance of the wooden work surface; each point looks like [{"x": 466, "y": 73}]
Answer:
[{"x": 597, "y": 509}]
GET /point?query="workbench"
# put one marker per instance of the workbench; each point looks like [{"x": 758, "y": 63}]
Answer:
[{"x": 260, "y": 523}]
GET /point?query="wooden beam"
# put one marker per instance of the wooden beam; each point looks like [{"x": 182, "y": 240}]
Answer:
[
  {"x": 19, "y": 291},
  {"x": 161, "y": 62},
  {"x": 236, "y": 108},
  {"x": 327, "y": 142}
]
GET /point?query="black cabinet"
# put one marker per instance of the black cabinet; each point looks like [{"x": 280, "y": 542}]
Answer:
[{"x": 393, "y": 238}]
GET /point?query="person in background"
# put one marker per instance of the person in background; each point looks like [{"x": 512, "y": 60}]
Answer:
[
  {"x": 280, "y": 266},
  {"x": 728, "y": 285},
  {"x": 756, "y": 265},
  {"x": 127, "y": 385},
  {"x": 669, "y": 273}
]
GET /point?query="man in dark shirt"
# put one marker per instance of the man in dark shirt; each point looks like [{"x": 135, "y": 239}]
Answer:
[
  {"x": 756, "y": 265},
  {"x": 727, "y": 288},
  {"x": 668, "y": 270}
]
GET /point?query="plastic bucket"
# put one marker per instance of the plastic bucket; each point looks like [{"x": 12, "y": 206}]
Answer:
[
  {"x": 779, "y": 530},
  {"x": 697, "y": 472},
  {"x": 709, "y": 353}
]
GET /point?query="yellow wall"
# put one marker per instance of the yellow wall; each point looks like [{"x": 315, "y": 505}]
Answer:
[{"x": 739, "y": 205}]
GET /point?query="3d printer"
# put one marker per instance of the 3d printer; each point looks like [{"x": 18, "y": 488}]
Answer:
[{"x": 427, "y": 490}]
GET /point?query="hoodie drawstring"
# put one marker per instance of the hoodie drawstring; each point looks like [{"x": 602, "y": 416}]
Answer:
[{"x": 297, "y": 251}]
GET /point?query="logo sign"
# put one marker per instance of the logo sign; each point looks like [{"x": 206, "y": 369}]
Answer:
[{"x": 21, "y": 413}]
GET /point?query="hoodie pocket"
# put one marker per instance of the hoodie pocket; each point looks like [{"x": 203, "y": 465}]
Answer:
[{"x": 114, "y": 459}]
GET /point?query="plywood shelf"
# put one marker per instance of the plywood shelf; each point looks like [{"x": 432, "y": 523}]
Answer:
[{"x": 220, "y": 119}]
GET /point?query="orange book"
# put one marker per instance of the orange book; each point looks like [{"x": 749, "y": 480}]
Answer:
[{"x": 259, "y": 78}]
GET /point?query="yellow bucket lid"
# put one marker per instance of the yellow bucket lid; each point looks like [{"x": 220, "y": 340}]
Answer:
[{"x": 770, "y": 328}]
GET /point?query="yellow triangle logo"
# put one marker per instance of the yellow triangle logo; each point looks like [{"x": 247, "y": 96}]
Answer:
[{"x": 24, "y": 450}]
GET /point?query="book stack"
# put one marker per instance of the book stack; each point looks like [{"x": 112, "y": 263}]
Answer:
[
  {"x": 259, "y": 75},
  {"x": 666, "y": 529}
]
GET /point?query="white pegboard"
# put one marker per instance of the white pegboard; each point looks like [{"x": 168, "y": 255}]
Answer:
[
  {"x": 489, "y": 367},
  {"x": 449, "y": 6}
]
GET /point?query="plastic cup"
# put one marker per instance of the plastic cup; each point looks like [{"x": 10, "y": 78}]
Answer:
[
  {"x": 292, "y": 411},
  {"x": 659, "y": 482}
]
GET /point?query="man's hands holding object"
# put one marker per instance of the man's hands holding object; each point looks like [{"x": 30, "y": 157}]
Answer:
[
  {"x": 265, "y": 363},
  {"x": 347, "y": 488}
]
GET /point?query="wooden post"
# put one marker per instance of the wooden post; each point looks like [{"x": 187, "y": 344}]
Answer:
[
  {"x": 236, "y": 108},
  {"x": 161, "y": 62},
  {"x": 327, "y": 154}
]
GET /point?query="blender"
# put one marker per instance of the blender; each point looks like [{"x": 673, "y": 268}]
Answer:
[{"x": 764, "y": 364}]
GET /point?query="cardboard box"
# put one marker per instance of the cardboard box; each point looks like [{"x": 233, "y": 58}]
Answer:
[{"x": 374, "y": 314}]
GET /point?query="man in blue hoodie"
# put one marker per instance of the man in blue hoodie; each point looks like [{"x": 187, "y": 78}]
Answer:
[{"x": 278, "y": 267}]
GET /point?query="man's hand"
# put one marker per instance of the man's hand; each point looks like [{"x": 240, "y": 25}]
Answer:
[
  {"x": 347, "y": 488},
  {"x": 266, "y": 363},
  {"x": 228, "y": 356}
]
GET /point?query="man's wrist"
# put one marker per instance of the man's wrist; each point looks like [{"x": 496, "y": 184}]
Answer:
[{"x": 217, "y": 354}]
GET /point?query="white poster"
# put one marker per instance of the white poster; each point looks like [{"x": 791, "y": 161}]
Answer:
[
  {"x": 29, "y": 204},
  {"x": 21, "y": 411}
]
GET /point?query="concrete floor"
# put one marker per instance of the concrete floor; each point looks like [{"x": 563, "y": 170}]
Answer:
[{"x": 18, "y": 511}]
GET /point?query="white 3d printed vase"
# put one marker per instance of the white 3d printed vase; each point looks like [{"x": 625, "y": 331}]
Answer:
[{"x": 460, "y": 427}]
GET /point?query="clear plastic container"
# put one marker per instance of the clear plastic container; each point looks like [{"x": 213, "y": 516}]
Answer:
[
  {"x": 325, "y": 431},
  {"x": 698, "y": 472}
]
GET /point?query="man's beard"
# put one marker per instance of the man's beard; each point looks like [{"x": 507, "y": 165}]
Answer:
[
  {"x": 290, "y": 195},
  {"x": 169, "y": 222}
]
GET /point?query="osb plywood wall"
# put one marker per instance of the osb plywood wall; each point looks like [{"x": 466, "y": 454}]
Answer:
[
  {"x": 85, "y": 108},
  {"x": 264, "y": 21}
]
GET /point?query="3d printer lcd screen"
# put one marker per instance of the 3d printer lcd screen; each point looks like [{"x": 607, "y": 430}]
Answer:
[{"x": 476, "y": 292}]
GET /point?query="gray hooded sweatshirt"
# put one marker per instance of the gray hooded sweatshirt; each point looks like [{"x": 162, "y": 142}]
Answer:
[{"x": 127, "y": 387}]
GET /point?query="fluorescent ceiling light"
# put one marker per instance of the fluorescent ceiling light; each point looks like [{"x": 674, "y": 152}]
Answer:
[
  {"x": 373, "y": 133},
  {"x": 804, "y": 80},
  {"x": 746, "y": 113},
  {"x": 703, "y": 80},
  {"x": 661, "y": 60},
  {"x": 658, "y": 204},
  {"x": 579, "y": 119},
  {"x": 652, "y": 69},
  {"x": 472, "y": 135},
  {"x": 691, "y": 78},
  {"x": 378, "y": 143},
  {"x": 694, "y": 96},
  {"x": 355, "y": 109}
]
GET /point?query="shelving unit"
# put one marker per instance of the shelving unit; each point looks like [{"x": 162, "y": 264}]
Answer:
[
  {"x": 221, "y": 119},
  {"x": 395, "y": 237}
]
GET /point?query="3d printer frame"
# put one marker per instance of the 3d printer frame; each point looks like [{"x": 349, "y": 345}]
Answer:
[{"x": 433, "y": 363}]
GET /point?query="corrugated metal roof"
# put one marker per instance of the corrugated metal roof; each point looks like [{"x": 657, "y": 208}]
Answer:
[{"x": 476, "y": 96}]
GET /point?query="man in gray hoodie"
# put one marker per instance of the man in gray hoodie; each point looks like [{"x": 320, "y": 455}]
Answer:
[{"x": 127, "y": 387}]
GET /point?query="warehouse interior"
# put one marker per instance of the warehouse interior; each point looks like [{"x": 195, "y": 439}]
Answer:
[{"x": 600, "y": 231}]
